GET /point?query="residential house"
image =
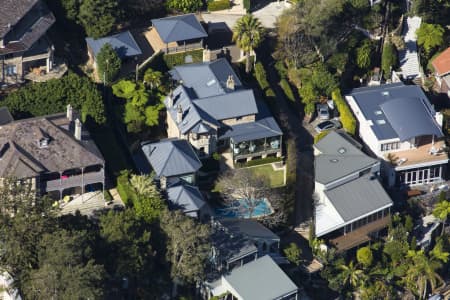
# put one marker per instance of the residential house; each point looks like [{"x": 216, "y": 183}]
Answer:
[
  {"x": 23, "y": 43},
  {"x": 123, "y": 43},
  {"x": 441, "y": 65},
  {"x": 400, "y": 126},
  {"x": 188, "y": 198},
  {"x": 176, "y": 34},
  {"x": 172, "y": 160},
  {"x": 54, "y": 153},
  {"x": 260, "y": 279},
  {"x": 212, "y": 110},
  {"x": 352, "y": 204}
]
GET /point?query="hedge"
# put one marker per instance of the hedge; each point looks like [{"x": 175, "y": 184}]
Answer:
[
  {"x": 123, "y": 188},
  {"x": 287, "y": 89},
  {"x": 219, "y": 5},
  {"x": 347, "y": 119},
  {"x": 261, "y": 76},
  {"x": 257, "y": 162},
  {"x": 172, "y": 60}
]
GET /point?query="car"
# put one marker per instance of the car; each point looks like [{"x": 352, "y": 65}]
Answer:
[
  {"x": 328, "y": 125},
  {"x": 322, "y": 112}
]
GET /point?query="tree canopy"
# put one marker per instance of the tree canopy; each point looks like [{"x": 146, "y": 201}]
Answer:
[
  {"x": 184, "y": 6},
  {"x": 430, "y": 36},
  {"x": 108, "y": 63},
  {"x": 98, "y": 17}
]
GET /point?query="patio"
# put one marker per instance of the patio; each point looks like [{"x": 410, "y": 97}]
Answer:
[
  {"x": 40, "y": 74},
  {"x": 421, "y": 154}
]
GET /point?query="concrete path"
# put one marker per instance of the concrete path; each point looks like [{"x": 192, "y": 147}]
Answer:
[{"x": 269, "y": 14}]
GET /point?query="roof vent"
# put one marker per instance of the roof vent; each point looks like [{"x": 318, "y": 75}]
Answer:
[
  {"x": 211, "y": 82},
  {"x": 334, "y": 160},
  {"x": 43, "y": 142},
  {"x": 385, "y": 93},
  {"x": 381, "y": 122},
  {"x": 378, "y": 112},
  {"x": 342, "y": 150}
]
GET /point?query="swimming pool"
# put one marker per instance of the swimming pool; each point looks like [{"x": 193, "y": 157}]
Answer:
[{"x": 239, "y": 209}]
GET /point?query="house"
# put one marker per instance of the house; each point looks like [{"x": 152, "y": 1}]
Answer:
[
  {"x": 123, "y": 43},
  {"x": 23, "y": 43},
  {"x": 188, "y": 198},
  {"x": 441, "y": 65},
  {"x": 261, "y": 279},
  {"x": 53, "y": 153},
  {"x": 212, "y": 110},
  {"x": 176, "y": 34},
  {"x": 352, "y": 204},
  {"x": 399, "y": 125},
  {"x": 172, "y": 160}
]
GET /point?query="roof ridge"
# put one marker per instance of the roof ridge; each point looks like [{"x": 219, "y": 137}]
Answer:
[{"x": 168, "y": 155}]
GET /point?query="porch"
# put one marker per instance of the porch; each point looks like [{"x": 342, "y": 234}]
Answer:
[
  {"x": 158, "y": 44},
  {"x": 43, "y": 73},
  {"x": 258, "y": 148},
  {"x": 422, "y": 154}
]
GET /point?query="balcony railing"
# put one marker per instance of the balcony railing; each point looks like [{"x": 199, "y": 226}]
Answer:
[
  {"x": 183, "y": 48},
  {"x": 74, "y": 181},
  {"x": 243, "y": 150}
]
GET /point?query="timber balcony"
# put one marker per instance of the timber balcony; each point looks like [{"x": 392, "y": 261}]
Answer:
[{"x": 81, "y": 180}]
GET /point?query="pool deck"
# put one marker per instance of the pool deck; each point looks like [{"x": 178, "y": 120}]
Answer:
[{"x": 242, "y": 212}]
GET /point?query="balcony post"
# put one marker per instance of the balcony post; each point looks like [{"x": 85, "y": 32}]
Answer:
[{"x": 82, "y": 185}]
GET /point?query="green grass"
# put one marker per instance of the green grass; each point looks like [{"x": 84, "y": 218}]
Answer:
[
  {"x": 172, "y": 60},
  {"x": 276, "y": 178}
]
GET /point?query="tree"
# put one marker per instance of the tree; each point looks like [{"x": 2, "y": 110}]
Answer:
[
  {"x": 364, "y": 55},
  {"x": 351, "y": 275},
  {"x": 98, "y": 17},
  {"x": 430, "y": 36},
  {"x": 66, "y": 269},
  {"x": 153, "y": 78},
  {"x": 108, "y": 63},
  {"x": 188, "y": 247},
  {"x": 441, "y": 211},
  {"x": 148, "y": 204},
  {"x": 364, "y": 256},
  {"x": 293, "y": 254},
  {"x": 388, "y": 59},
  {"x": 248, "y": 34},
  {"x": 185, "y": 6}
]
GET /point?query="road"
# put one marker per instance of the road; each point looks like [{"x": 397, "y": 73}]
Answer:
[{"x": 291, "y": 120}]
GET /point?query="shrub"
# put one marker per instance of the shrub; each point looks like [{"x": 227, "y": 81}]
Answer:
[
  {"x": 257, "y": 162},
  {"x": 287, "y": 89},
  {"x": 123, "y": 187},
  {"x": 172, "y": 60},
  {"x": 219, "y": 5},
  {"x": 281, "y": 69},
  {"x": 261, "y": 76},
  {"x": 347, "y": 119},
  {"x": 216, "y": 156},
  {"x": 320, "y": 136},
  {"x": 388, "y": 59}
]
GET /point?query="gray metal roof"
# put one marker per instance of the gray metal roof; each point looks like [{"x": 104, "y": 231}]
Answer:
[
  {"x": 250, "y": 228},
  {"x": 172, "y": 157},
  {"x": 358, "y": 197},
  {"x": 339, "y": 158},
  {"x": 179, "y": 28},
  {"x": 206, "y": 79},
  {"x": 5, "y": 116},
  {"x": 123, "y": 43},
  {"x": 185, "y": 197},
  {"x": 261, "y": 279},
  {"x": 263, "y": 128},
  {"x": 416, "y": 114}
]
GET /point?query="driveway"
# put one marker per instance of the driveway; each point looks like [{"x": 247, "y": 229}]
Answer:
[{"x": 269, "y": 14}]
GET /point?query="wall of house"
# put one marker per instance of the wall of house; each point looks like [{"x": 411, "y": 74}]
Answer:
[
  {"x": 172, "y": 128},
  {"x": 206, "y": 141},
  {"x": 241, "y": 120},
  {"x": 13, "y": 61}
]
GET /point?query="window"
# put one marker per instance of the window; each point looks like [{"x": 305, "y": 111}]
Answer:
[
  {"x": 390, "y": 146},
  {"x": 10, "y": 70}
]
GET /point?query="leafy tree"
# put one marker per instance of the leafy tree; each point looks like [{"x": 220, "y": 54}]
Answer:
[
  {"x": 364, "y": 256},
  {"x": 409, "y": 223},
  {"x": 441, "y": 211},
  {"x": 108, "y": 63},
  {"x": 66, "y": 269},
  {"x": 351, "y": 275},
  {"x": 388, "y": 59},
  {"x": 430, "y": 36},
  {"x": 293, "y": 254},
  {"x": 52, "y": 97},
  {"x": 148, "y": 204},
  {"x": 248, "y": 34},
  {"x": 153, "y": 78},
  {"x": 364, "y": 55},
  {"x": 98, "y": 17},
  {"x": 71, "y": 8},
  {"x": 185, "y": 6}
]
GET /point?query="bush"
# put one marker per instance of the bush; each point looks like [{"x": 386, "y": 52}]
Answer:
[
  {"x": 287, "y": 89},
  {"x": 172, "y": 60},
  {"x": 124, "y": 189},
  {"x": 388, "y": 59},
  {"x": 261, "y": 76},
  {"x": 219, "y": 5},
  {"x": 320, "y": 136},
  {"x": 261, "y": 161},
  {"x": 347, "y": 119},
  {"x": 281, "y": 69}
]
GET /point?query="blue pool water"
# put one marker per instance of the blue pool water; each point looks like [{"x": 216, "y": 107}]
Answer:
[{"x": 239, "y": 209}]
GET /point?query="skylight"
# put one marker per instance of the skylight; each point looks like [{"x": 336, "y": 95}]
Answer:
[
  {"x": 211, "y": 82},
  {"x": 385, "y": 93},
  {"x": 342, "y": 150},
  {"x": 381, "y": 122},
  {"x": 378, "y": 112}
]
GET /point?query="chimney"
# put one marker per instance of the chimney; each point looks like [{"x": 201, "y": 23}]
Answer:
[
  {"x": 77, "y": 133},
  {"x": 170, "y": 100},
  {"x": 179, "y": 114},
  {"x": 230, "y": 82},
  {"x": 69, "y": 113}
]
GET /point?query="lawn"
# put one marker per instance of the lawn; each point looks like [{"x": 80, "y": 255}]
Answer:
[{"x": 276, "y": 178}]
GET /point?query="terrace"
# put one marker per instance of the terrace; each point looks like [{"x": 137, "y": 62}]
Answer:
[{"x": 421, "y": 154}]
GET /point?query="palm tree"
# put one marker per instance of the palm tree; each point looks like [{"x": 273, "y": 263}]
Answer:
[
  {"x": 441, "y": 211},
  {"x": 152, "y": 77},
  {"x": 248, "y": 34},
  {"x": 351, "y": 275},
  {"x": 143, "y": 185}
]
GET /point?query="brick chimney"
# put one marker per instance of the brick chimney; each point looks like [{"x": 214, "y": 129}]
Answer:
[
  {"x": 179, "y": 114},
  {"x": 77, "y": 133},
  {"x": 230, "y": 82}
]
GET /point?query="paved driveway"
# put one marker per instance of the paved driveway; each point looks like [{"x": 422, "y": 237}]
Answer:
[{"x": 268, "y": 14}]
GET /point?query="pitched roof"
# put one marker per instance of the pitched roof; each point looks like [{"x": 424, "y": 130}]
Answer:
[
  {"x": 12, "y": 12},
  {"x": 179, "y": 28},
  {"x": 171, "y": 157},
  {"x": 185, "y": 197},
  {"x": 123, "y": 43},
  {"x": 441, "y": 63},
  {"x": 261, "y": 279},
  {"x": 339, "y": 158},
  {"x": 250, "y": 228},
  {"x": 264, "y": 128},
  {"x": 392, "y": 106},
  {"x": 5, "y": 116},
  {"x": 22, "y": 157}
]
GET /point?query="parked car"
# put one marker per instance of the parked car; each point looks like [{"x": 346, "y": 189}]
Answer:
[
  {"x": 323, "y": 112},
  {"x": 328, "y": 125}
]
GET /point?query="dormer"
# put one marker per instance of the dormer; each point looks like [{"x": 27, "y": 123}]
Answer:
[
  {"x": 42, "y": 138},
  {"x": 43, "y": 142}
]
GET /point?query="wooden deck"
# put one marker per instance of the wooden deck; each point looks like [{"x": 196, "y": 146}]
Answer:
[
  {"x": 360, "y": 235},
  {"x": 421, "y": 154}
]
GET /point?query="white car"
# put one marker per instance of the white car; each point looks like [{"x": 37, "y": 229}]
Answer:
[{"x": 323, "y": 112}]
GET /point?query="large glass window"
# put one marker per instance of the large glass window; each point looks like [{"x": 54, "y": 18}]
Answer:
[{"x": 11, "y": 70}]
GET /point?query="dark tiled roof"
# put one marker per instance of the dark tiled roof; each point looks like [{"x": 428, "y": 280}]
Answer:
[
  {"x": 5, "y": 116},
  {"x": 123, "y": 43},
  {"x": 179, "y": 28},
  {"x": 12, "y": 11}
]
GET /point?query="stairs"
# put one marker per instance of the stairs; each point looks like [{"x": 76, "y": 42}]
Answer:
[{"x": 409, "y": 58}]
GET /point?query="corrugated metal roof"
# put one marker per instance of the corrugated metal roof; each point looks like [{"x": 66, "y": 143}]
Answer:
[
  {"x": 358, "y": 197},
  {"x": 172, "y": 157},
  {"x": 179, "y": 28},
  {"x": 263, "y": 128},
  {"x": 185, "y": 197},
  {"x": 339, "y": 158},
  {"x": 261, "y": 279},
  {"x": 250, "y": 228},
  {"x": 123, "y": 43}
]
